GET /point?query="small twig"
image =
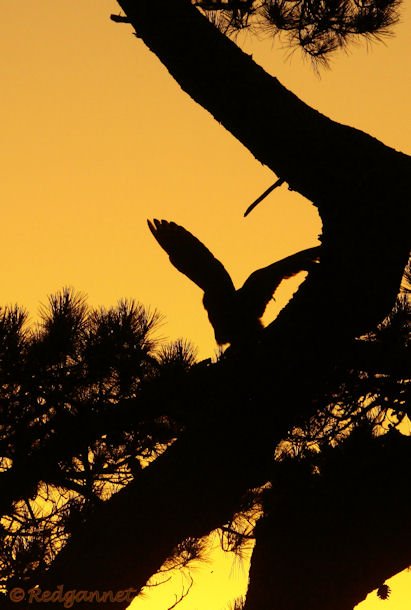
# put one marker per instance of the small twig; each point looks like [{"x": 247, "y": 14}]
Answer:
[
  {"x": 251, "y": 207},
  {"x": 157, "y": 584},
  {"x": 229, "y": 530},
  {"x": 32, "y": 515},
  {"x": 120, "y": 18},
  {"x": 183, "y": 595}
]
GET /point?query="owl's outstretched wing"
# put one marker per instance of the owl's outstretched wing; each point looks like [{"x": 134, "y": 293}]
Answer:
[
  {"x": 259, "y": 288},
  {"x": 191, "y": 257}
]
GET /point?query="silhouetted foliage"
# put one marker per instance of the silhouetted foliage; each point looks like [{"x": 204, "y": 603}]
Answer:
[
  {"x": 331, "y": 479},
  {"x": 317, "y": 27},
  {"x": 78, "y": 365},
  {"x": 72, "y": 433},
  {"x": 384, "y": 591}
]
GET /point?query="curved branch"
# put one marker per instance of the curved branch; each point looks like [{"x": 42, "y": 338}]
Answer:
[
  {"x": 304, "y": 147},
  {"x": 360, "y": 186}
]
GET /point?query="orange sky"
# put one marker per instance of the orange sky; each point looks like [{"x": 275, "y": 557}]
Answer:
[{"x": 97, "y": 137}]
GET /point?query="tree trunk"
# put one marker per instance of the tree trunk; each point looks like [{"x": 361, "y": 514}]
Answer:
[
  {"x": 360, "y": 187},
  {"x": 326, "y": 544}
]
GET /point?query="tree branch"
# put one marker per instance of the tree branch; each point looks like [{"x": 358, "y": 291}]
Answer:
[{"x": 337, "y": 167}]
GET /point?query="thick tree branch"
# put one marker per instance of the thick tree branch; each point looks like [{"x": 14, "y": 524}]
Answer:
[
  {"x": 309, "y": 151},
  {"x": 353, "y": 533},
  {"x": 201, "y": 477},
  {"x": 365, "y": 218}
]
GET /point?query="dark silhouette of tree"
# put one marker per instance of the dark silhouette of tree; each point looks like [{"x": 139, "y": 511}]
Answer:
[
  {"x": 72, "y": 432},
  {"x": 337, "y": 480},
  {"x": 233, "y": 414},
  {"x": 345, "y": 466},
  {"x": 318, "y": 28},
  {"x": 322, "y": 542}
]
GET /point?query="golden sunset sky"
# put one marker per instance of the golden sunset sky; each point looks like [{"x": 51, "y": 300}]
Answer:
[{"x": 97, "y": 137}]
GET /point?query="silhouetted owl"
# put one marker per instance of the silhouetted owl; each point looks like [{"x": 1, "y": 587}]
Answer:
[{"x": 234, "y": 314}]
